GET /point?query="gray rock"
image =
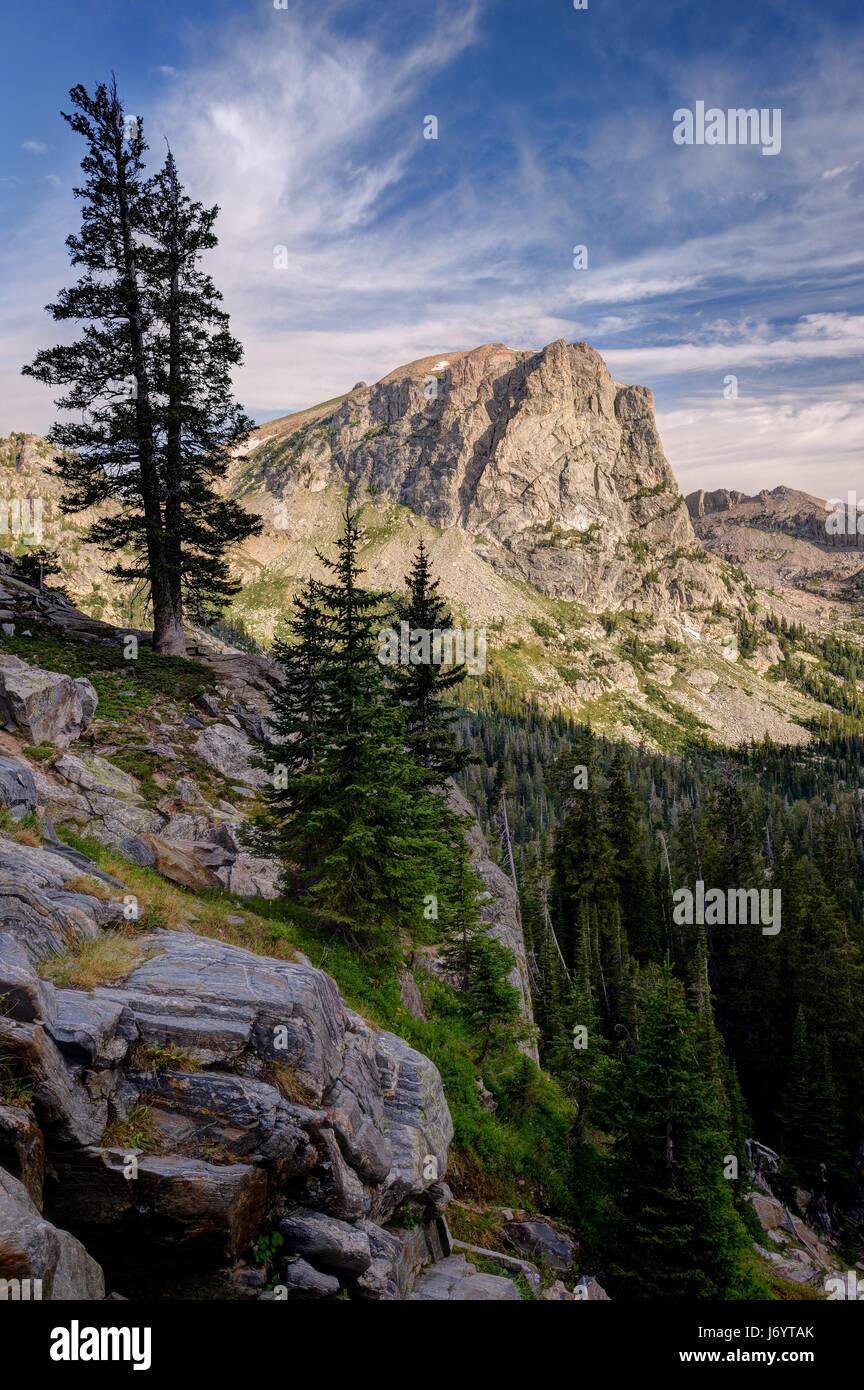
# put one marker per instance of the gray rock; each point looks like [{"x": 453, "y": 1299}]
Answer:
[
  {"x": 437, "y": 1198},
  {"x": 409, "y": 994},
  {"x": 25, "y": 996},
  {"x": 22, "y": 1149},
  {"x": 92, "y": 773},
  {"x": 301, "y": 1280},
  {"x": 43, "y": 706},
  {"x": 246, "y": 1119},
  {"x": 17, "y": 788},
  {"x": 208, "y": 703},
  {"x": 329, "y": 1244},
  {"x": 417, "y": 1122},
  {"x": 32, "y": 1248},
  {"x": 296, "y": 1014},
  {"x": 138, "y": 850},
  {"x": 91, "y": 1030},
  {"x": 539, "y": 1239},
  {"x": 67, "y": 1111},
  {"x": 588, "y": 1290},
  {"x": 455, "y": 1281},
  {"x": 173, "y": 1204},
  {"x": 228, "y": 751}
]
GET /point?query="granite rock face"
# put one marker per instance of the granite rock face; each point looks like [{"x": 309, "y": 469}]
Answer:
[
  {"x": 291, "y": 1109},
  {"x": 44, "y": 706},
  {"x": 541, "y": 454}
]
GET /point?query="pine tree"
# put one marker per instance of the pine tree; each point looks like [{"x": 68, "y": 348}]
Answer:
[
  {"x": 149, "y": 378},
  {"x": 294, "y": 749},
  {"x": 358, "y": 823},
  {"x": 582, "y": 858},
  {"x": 630, "y": 870},
  {"x": 463, "y": 924},
  {"x": 199, "y": 424},
  {"x": 491, "y": 1001},
  {"x": 422, "y": 687},
  {"x": 678, "y": 1225},
  {"x": 809, "y": 1114}
]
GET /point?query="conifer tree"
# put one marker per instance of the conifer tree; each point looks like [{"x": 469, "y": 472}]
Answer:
[
  {"x": 809, "y": 1113},
  {"x": 355, "y": 800},
  {"x": 678, "y": 1226},
  {"x": 148, "y": 381},
  {"x": 630, "y": 870},
  {"x": 293, "y": 752},
  {"x": 491, "y": 1001},
  {"x": 423, "y": 688},
  {"x": 582, "y": 857},
  {"x": 198, "y": 422}
]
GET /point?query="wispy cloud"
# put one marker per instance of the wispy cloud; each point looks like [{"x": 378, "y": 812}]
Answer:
[
  {"x": 309, "y": 134},
  {"x": 34, "y": 147},
  {"x": 805, "y": 439}
]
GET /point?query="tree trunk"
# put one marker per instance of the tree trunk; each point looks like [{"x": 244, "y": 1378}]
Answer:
[{"x": 174, "y": 449}]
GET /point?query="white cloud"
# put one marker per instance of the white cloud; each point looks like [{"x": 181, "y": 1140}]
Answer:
[
  {"x": 34, "y": 147},
  {"x": 806, "y": 439},
  {"x": 815, "y": 338}
]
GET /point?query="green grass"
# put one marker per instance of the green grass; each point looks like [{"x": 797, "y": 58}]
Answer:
[
  {"x": 124, "y": 687},
  {"x": 39, "y": 754}
]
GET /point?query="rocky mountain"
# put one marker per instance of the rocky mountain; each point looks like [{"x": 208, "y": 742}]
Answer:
[
  {"x": 553, "y": 473},
  {"x": 556, "y": 527},
  {"x": 782, "y": 539}
]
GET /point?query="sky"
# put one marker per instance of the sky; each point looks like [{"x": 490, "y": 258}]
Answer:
[{"x": 711, "y": 268}]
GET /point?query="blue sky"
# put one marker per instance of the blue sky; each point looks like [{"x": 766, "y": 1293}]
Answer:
[{"x": 554, "y": 130}]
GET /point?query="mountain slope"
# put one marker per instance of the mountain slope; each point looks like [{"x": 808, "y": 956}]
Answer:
[{"x": 555, "y": 525}]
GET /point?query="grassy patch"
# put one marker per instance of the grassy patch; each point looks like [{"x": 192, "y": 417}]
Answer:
[
  {"x": 124, "y": 687},
  {"x": 105, "y": 960},
  {"x": 41, "y": 753},
  {"x": 288, "y": 1083},
  {"x": 136, "y": 1131},
  {"x": 161, "y": 1057}
]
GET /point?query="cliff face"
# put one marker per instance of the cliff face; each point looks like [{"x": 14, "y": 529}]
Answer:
[{"x": 540, "y": 457}]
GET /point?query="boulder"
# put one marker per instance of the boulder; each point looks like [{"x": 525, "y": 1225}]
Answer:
[
  {"x": 301, "y": 1280},
  {"x": 542, "y": 1242},
  {"x": 180, "y": 863},
  {"x": 17, "y": 788},
  {"x": 331, "y": 1245},
  {"x": 44, "y": 706},
  {"x": 587, "y": 1290},
  {"x": 31, "y": 1248},
  {"x": 771, "y": 1213},
  {"x": 91, "y": 773},
  {"x": 229, "y": 752}
]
